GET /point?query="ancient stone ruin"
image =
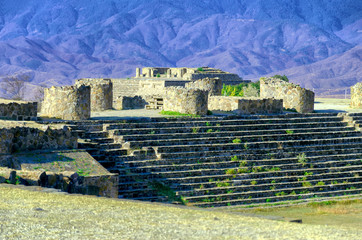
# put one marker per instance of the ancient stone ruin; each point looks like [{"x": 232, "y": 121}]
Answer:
[
  {"x": 356, "y": 96},
  {"x": 294, "y": 96},
  {"x": 186, "y": 101},
  {"x": 68, "y": 103},
  {"x": 18, "y": 110},
  {"x": 101, "y": 93},
  {"x": 243, "y": 106}
]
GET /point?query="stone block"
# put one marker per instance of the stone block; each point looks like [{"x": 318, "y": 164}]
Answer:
[
  {"x": 294, "y": 96},
  {"x": 101, "y": 92},
  {"x": 187, "y": 101},
  {"x": 68, "y": 102},
  {"x": 356, "y": 96}
]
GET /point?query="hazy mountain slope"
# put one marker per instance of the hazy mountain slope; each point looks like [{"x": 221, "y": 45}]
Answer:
[
  {"x": 58, "y": 41},
  {"x": 345, "y": 70}
]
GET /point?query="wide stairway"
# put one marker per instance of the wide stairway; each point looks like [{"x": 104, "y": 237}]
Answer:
[{"x": 215, "y": 161}]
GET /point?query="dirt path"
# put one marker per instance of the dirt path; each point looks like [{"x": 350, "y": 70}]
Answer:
[{"x": 37, "y": 214}]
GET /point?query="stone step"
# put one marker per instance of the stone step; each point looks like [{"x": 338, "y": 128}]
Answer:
[
  {"x": 222, "y": 122},
  {"x": 266, "y": 164},
  {"x": 251, "y": 176},
  {"x": 220, "y": 189},
  {"x": 142, "y": 189},
  {"x": 239, "y": 158},
  {"x": 93, "y": 135},
  {"x": 212, "y": 181},
  {"x": 246, "y": 200},
  {"x": 267, "y": 180},
  {"x": 99, "y": 146},
  {"x": 240, "y": 127},
  {"x": 101, "y": 154},
  {"x": 231, "y": 171},
  {"x": 255, "y": 145},
  {"x": 96, "y": 140},
  {"x": 126, "y": 175},
  {"x": 287, "y": 151},
  {"x": 240, "y": 138},
  {"x": 145, "y": 137}
]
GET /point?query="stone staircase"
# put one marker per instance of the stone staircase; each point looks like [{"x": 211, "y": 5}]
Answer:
[{"x": 215, "y": 161}]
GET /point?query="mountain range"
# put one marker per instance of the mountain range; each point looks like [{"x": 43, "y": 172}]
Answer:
[{"x": 315, "y": 43}]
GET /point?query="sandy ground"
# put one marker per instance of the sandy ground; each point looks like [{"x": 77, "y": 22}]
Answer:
[
  {"x": 333, "y": 105},
  {"x": 26, "y": 214}
]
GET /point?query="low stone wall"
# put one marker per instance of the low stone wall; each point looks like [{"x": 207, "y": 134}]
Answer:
[
  {"x": 17, "y": 139},
  {"x": 101, "y": 92},
  {"x": 240, "y": 105},
  {"x": 69, "y": 170},
  {"x": 188, "y": 101},
  {"x": 123, "y": 102},
  {"x": 68, "y": 103},
  {"x": 356, "y": 96},
  {"x": 212, "y": 85},
  {"x": 294, "y": 96},
  {"x": 18, "y": 110}
]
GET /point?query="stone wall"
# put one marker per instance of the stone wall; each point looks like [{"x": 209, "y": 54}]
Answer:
[
  {"x": 188, "y": 101},
  {"x": 240, "y": 105},
  {"x": 15, "y": 139},
  {"x": 18, "y": 110},
  {"x": 69, "y": 170},
  {"x": 294, "y": 96},
  {"x": 101, "y": 92},
  {"x": 212, "y": 85},
  {"x": 124, "y": 102},
  {"x": 356, "y": 96},
  {"x": 124, "y": 87},
  {"x": 68, "y": 103}
]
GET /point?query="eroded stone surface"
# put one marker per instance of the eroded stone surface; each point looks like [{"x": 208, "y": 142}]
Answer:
[
  {"x": 294, "y": 96},
  {"x": 68, "y": 102},
  {"x": 356, "y": 96}
]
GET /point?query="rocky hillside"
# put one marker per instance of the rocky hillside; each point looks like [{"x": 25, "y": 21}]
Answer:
[{"x": 57, "y": 42}]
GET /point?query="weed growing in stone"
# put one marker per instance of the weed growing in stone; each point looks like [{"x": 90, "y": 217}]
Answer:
[
  {"x": 235, "y": 158},
  {"x": 209, "y": 130},
  {"x": 289, "y": 131},
  {"x": 253, "y": 182},
  {"x": 195, "y": 129},
  {"x": 237, "y": 140},
  {"x": 321, "y": 183},
  {"x": 302, "y": 159},
  {"x": 231, "y": 171},
  {"x": 246, "y": 147},
  {"x": 306, "y": 184}
]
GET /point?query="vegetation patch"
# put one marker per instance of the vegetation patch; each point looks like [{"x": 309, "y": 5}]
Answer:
[{"x": 171, "y": 113}]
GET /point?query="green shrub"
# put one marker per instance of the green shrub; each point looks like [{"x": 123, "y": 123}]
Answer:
[
  {"x": 222, "y": 184},
  {"x": 284, "y": 78},
  {"x": 237, "y": 140},
  {"x": 253, "y": 182},
  {"x": 320, "y": 183},
  {"x": 200, "y": 69},
  {"x": 302, "y": 159},
  {"x": 235, "y": 158},
  {"x": 158, "y": 75},
  {"x": 231, "y": 171}
]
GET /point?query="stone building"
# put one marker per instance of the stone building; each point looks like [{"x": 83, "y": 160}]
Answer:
[
  {"x": 101, "y": 92},
  {"x": 356, "y": 96},
  {"x": 294, "y": 96},
  {"x": 67, "y": 102},
  {"x": 187, "y": 101}
]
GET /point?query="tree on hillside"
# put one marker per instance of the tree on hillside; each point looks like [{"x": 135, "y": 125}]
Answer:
[
  {"x": 284, "y": 78},
  {"x": 14, "y": 86}
]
